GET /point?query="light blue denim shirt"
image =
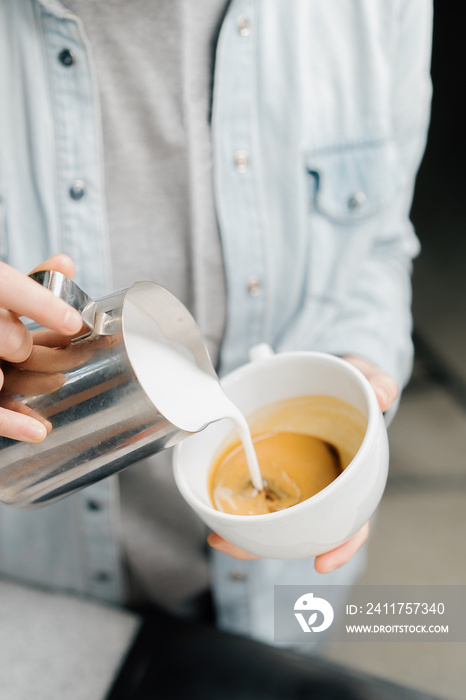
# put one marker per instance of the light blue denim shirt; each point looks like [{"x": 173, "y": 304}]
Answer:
[{"x": 320, "y": 116}]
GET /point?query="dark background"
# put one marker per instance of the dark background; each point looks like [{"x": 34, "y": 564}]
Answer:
[{"x": 438, "y": 210}]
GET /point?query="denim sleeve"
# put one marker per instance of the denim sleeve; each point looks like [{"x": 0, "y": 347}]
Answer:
[{"x": 374, "y": 316}]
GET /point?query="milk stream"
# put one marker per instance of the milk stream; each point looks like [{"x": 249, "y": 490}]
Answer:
[{"x": 188, "y": 397}]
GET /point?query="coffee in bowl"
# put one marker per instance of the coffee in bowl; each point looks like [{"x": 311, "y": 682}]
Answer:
[{"x": 295, "y": 465}]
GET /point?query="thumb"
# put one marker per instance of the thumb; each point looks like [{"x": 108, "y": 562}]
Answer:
[
  {"x": 385, "y": 389},
  {"x": 384, "y": 386}
]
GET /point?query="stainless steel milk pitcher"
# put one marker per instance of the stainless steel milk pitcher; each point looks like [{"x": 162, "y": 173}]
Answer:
[{"x": 102, "y": 420}]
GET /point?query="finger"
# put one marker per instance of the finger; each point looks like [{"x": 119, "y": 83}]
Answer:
[
  {"x": 11, "y": 404},
  {"x": 19, "y": 426},
  {"x": 15, "y": 339},
  {"x": 25, "y": 297},
  {"x": 49, "y": 360},
  {"x": 385, "y": 389},
  {"x": 60, "y": 262},
  {"x": 221, "y": 545},
  {"x": 24, "y": 383},
  {"x": 325, "y": 563},
  {"x": 384, "y": 386},
  {"x": 50, "y": 339}
]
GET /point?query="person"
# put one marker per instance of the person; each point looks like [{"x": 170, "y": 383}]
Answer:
[{"x": 258, "y": 159}]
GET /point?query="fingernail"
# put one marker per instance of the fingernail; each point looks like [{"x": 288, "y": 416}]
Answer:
[
  {"x": 383, "y": 398},
  {"x": 34, "y": 432},
  {"x": 381, "y": 394},
  {"x": 72, "y": 321},
  {"x": 327, "y": 567}
]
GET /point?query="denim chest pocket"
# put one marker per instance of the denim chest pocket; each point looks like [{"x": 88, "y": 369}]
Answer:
[{"x": 354, "y": 181}]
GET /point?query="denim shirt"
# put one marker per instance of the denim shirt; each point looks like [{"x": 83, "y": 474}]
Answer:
[{"x": 319, "y": 122}]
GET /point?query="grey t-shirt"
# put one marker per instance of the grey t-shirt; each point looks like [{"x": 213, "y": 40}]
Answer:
[{"x": 154, "y": 62}]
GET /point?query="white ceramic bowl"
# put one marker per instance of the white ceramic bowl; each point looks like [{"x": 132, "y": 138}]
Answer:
[{"x": 333, "y": 515}]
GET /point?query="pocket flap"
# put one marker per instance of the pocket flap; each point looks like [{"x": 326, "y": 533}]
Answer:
[{"x": 356, "y": 180}]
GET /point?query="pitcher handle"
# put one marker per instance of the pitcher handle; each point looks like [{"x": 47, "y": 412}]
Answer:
[{"x": 62, "y": 286}]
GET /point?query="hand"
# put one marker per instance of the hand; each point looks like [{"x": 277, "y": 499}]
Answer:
[
  {"x": 386, "y": 391},
  {"x": 21, "y": 296},
  {"x": 384, "y": 386}
]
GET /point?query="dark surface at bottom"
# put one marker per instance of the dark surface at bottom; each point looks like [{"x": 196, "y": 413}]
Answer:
[{"x": 173, "y": 659}]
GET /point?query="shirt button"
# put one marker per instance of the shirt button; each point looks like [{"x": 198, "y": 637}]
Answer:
[
  {"x": 237, "y": 575},
  {"x": 356, "y": 200},
  {"x": 94, "y": 504},
  {"x": 66, "y": 57},
  {"x": 244, "y": 26},
  {"x": 254, "y": 286},
  {"x": 241, "y": 161},
  {"x": 78, "y": 189},
  {"x": 102, "y": 576}
]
